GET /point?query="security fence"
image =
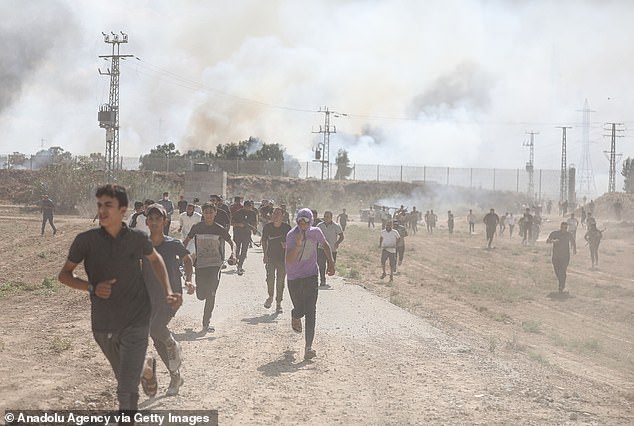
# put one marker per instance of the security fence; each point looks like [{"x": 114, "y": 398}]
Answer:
[{"x": 545, "y": 181}]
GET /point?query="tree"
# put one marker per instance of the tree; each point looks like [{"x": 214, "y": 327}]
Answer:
[
  {"x": 164, "y": 158},
  {"x": 268, "y": 152},
  {"x": 343, "y": 165},
  {"x": 628, "y": 174}
]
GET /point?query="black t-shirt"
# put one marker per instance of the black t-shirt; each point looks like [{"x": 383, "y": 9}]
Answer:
[
  {"x": 561, "y": 247},
  {"x": 172, "y": 251},
  {"x": 491, "y": 220},
  {"x": 207, "y": 242},
  {"x": 223, "y": 216},
  {"x": 106, "y": 258},
  {"x": 245, "y": 217},
  {"x": 274, "y": 238}
]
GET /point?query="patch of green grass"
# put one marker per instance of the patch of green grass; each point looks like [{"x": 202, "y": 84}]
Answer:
[
  {"x": 536, "y": 356},
  {"x": 582, "y": 346},
  {"x": 41, "y": 255},
  {"x": 502, "y": 317},
  {"x": 48, "y": 286},
  {"x": 397, "y": 299},
  {"x": 531, "y": 326},
  {"x": 353, "y": 274},
  {"x": 60, "y": 344},
  {"x": 9, "y": 288}
]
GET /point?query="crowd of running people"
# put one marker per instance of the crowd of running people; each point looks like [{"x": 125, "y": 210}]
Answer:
[{"x": 135, "y": 269}]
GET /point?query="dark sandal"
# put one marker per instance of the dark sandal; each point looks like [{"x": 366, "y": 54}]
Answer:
[{"x": 150, "y": 386}]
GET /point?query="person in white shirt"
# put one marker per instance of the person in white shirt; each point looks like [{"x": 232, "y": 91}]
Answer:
[
  {"x": 510, "y": 222},
  {"x": 186, "y": 220},
  {"x": 387, "y": 242},
  {"x": 334, "y": 235}
]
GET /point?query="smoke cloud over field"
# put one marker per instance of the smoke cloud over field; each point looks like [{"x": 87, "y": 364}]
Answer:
[{"x": 453, "y": 83}]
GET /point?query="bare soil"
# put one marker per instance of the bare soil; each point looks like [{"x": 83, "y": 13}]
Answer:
[{"x": 464, "y": 335}]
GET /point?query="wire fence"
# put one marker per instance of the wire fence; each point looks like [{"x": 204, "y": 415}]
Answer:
[{"x": 545, "y": 181}]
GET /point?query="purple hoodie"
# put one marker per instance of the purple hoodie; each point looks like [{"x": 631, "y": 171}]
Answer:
[{"x": 306, "y": 265}]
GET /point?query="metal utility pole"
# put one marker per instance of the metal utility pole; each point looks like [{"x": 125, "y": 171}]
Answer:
[
  {"x": 109, "y": 113},
  {"x": 530, "y": 165},
  {"x": 586, "y": 184},
  {"x": 612, "y": 156},
  {"x": 324, "y": 156},
  {"x": 563, "y": 178}
]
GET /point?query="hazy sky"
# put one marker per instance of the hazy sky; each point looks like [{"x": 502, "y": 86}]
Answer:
[{"x": 456, "y": 83}]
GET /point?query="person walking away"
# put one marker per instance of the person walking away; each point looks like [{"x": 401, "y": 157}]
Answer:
[
  {"x": 526, "y": 227},
  {"x": 471, "y": 220},
  {"x": 510, "y": 221},
  {"x": 433, "y": 218},
  {"x": 400, "y": 244},
  {"x": 169, "y": 208},
  {"x": 503, "y": 224},
  {"x": 561, "y": 253},
  {"x": 120, "y": 306},
  {"x": 208, "y": 238},
  {"x": 333, "y": 233},
  {"x": 342, "y": 220},
  {"x": 302, "y": 271},
  {"x": 244, "y": 223},
  {"x": 414, "y": 217},
  {"x": 573, "y": 223},
  {"x": 274, "y": 247},
  {"x": 186, "y": 220},
  {"x": 387, "y": 243},
  {"x": 450, "y": 221},
  {"x": 371, "y": 215},
  {"x": 593, "y": 237},
  {"x": 48, "y": 208},
  {"x": 169, "y": 350},
  {"x": 491, "y": 220}
]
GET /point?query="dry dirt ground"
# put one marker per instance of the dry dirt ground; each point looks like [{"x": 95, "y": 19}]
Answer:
[{"x": 464, "y": 335}]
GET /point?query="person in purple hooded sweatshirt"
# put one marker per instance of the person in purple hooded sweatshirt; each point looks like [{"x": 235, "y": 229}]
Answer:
[{"x": 303, "y": 274}]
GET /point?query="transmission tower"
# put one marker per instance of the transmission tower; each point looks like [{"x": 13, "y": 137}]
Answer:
[
  {"x": 109, "y": 113},
  {"x": 563, "y": 178},
  {"x": 530, "y": 165},
  {"x": 323, "y": 155},
  {"x": 586, "y": 184},
  {"x": 612, "y": 156}
]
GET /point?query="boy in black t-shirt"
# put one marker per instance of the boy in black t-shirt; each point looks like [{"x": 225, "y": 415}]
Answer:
[{"x": 120, "y": 306}]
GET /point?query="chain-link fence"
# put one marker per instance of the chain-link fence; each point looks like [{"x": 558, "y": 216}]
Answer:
[{"x": 545, "y": 182}]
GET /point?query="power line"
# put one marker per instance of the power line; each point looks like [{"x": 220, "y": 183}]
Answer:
[{"x": 563, "y": 178}]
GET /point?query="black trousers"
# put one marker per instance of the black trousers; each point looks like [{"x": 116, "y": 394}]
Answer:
[
  {"x": 322, "y": 262},
  {"x": 560, "y": 265},
  {"x": 125, "y": 350},
  {"x": 304, "y": 292},
  {"x": 207, "y": 281}
]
